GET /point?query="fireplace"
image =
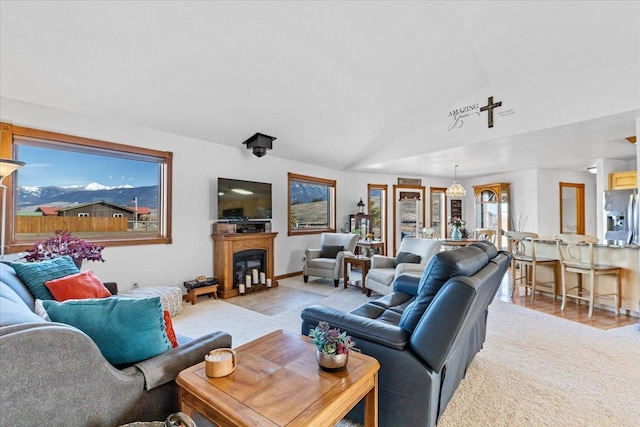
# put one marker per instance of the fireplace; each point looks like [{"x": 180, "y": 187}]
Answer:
[
  {"x": 244, "y": 262},
  {"x": 236, "y": 255}
]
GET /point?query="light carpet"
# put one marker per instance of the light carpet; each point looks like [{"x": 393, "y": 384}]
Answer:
[{"x": 534, "y": 370}]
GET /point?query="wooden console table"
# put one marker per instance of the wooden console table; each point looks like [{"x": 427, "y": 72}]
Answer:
[
  {"x": 372, "y": 244},
  {"x": 277, "y": 382},
  {"x": 225, "y": 245}
]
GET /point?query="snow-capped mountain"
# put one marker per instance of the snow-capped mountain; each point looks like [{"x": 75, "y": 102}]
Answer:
[
  {"x": 94, "y": 186},
  {"x": 29, "y": 198}
]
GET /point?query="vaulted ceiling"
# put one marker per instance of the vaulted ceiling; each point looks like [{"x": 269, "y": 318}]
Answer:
[{"x": 390, "y": 87}]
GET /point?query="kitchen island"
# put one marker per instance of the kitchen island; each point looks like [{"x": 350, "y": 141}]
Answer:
[{"x": 625, "y": 257}]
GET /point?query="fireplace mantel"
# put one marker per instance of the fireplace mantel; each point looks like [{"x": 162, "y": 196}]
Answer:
[{"x": 225, "y": 245}]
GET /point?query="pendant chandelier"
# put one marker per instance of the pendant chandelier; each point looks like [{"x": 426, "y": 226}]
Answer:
[{"x": 455, "y": 189}]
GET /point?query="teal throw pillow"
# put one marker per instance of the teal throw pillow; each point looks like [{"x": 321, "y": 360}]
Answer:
[
  {"x": 35, "y": 274},
  {"x": 126, "y": 330}
]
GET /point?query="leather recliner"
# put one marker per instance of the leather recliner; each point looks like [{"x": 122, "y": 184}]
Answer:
[{"x": 424, "y": 334}]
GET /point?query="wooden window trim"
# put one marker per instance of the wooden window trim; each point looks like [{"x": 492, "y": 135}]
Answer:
[
  {"x": 311, "y": 180},
  {"x": 8, "y": 132}
]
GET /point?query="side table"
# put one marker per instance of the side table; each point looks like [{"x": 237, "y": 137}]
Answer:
[
  {"x": 360, "y": 261},
  {"x": 195, "y": 288}
]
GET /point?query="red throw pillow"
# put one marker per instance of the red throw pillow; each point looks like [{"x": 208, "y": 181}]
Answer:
[
  {"x": 77, "y": 286},
  {"x": 168, "y": 326}
]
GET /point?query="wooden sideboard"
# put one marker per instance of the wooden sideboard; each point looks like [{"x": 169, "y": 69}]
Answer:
[{"x": 226, "y": 245}]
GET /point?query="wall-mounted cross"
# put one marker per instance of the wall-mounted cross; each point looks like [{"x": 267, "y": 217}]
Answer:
[{"x": 489, "y": 108}]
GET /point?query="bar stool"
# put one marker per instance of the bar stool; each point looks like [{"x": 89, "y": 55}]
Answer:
[
  {"x": 528, "y": 264},
  {"x": 570, "y": 250}
]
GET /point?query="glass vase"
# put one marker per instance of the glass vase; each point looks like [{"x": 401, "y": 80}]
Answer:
[{"x": 456, "y": 234}]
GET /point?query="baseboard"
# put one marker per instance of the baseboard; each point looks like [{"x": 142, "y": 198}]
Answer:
[{"x": 285, "y": 276}]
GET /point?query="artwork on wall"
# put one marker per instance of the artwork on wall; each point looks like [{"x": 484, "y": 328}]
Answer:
[{"x": 409, "y": 181}]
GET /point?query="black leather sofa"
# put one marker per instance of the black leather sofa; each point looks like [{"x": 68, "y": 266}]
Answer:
[{"x": 424, "y": 334}]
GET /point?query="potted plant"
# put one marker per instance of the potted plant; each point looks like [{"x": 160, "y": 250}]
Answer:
[
  {"x": 332, "y": 347},
  {"x": 63, "y": 243}
]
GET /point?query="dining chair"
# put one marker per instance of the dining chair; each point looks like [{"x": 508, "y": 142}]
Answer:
[
  {"x": 521, "y": 244},
  {"x": 485, "y": 234},
  {"x": 429, "y": 233},
  {"x": 576, "y": 256}
]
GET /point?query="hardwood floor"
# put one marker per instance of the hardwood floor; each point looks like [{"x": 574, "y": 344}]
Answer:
[
  {"x": 287, "y": 298},
  {"x": 543, "y": 302}
]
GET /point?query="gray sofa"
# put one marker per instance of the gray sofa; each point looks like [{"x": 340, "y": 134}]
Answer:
[
  {"x": 54, "y": 375},
  {"x": 425, "y": 334}
]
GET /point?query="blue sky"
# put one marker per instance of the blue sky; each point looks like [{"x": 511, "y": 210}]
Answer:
[{"x": 45, "y": 167}]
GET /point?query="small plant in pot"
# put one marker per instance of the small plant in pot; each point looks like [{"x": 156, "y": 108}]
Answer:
[
  {"x": 332, "y": 347},
  {"x": 61, "y": 244}
]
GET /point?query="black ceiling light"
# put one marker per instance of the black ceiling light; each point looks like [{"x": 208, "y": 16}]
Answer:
[{"x": 260, "y": 143}]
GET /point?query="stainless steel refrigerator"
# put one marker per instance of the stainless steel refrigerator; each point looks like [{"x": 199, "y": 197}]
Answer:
[{"x": 622, "y": 217}]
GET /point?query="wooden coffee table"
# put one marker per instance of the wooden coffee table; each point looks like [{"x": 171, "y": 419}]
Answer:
[{"x": 277, "y": 382}]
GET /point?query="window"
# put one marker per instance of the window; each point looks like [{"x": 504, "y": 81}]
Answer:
[
  {"x": 438, "y": 211},
  {"x": 312, "y": 204},
  {"x": 492, "y": 209},
  {"x": 378, "y": 210},
  {"x": 94, "y": 189}
]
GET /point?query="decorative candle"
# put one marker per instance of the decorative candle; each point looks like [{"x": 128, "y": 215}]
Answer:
[
  {"x": 262, "y": 277},
  {"x": 268, "y": 283},
  {"x": 247, "y": 279},
  {"x": 241, "y": 288},
  {"x": 255, "y": 275}
]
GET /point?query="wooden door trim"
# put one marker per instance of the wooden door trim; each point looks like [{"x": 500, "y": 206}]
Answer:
[{"x": 580, "y": 214}]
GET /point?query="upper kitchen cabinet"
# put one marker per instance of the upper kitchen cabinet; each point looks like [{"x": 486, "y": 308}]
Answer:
[{"x": 623, "y": 180}]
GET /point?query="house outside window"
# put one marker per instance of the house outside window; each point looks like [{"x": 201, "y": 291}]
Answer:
[{"x": 86, "y": 187}]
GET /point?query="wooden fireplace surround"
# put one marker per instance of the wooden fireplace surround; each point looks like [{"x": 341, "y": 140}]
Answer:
[{"x": 225, "y": 245}]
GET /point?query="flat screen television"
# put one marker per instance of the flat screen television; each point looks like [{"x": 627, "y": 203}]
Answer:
[{"x": 243, "y": 200}]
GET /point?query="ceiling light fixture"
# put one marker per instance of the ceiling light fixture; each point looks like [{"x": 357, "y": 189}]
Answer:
[
  {"x": 592, "y": 169},
  {"x": 260, "y": 143},
  {"x": 455, "y": 189}
]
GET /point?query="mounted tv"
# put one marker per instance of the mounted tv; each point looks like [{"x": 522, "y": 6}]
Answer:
[{"x": 243, "y": 200}]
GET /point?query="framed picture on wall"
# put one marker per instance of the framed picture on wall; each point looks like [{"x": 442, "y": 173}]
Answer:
[
  {"x": 455, "y": 208},
  {"x": 409, "y": 181}
]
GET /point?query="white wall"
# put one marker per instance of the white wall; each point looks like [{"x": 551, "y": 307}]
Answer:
[{"x": 197, "y": 164}]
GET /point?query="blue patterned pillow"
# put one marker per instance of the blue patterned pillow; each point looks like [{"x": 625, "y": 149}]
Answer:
[
  {"x": 35, "y": 274},
  {"x": 126, "y": 330}
]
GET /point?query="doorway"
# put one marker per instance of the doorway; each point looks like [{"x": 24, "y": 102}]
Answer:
[{"x": 572, "y": 208}]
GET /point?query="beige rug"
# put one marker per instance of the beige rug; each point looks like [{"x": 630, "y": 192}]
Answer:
[{"x": 535, "y": 369}]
